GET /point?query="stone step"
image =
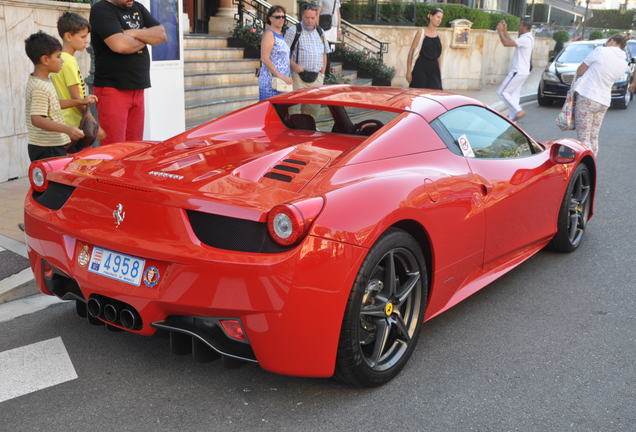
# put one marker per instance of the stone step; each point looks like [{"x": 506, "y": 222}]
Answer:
[
  {"x": 349, "y": 76},
  {"x": 206, "y": 79},
  {"x": 362, "y": 82},
  {"x": 204, "y": 41},
  {"x": 335, "y": 67},
  {"x": 213, "y": 53},
  {"x": 201, "y": 113},
  {"x": 201, "y": 95},
  {"x": 220, "y": 65}
]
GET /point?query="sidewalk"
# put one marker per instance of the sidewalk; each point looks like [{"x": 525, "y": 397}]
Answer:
[
  {"x": 488, "y": 94},
  {"x": 15, "y": 274}
]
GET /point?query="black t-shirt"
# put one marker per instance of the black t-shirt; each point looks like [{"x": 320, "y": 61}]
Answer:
[{"x": 121, "y": 71}]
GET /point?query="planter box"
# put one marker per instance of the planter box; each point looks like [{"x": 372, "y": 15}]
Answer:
[
  {"x": 233, "y": 42},
  {"x": 381, "y": 82},
  {"x": 251, "y": 52}
]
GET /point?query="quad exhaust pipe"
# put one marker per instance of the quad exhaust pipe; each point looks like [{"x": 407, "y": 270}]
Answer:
[
  {"x": 113, "y": 311},
  {"x": 128, "y": 319}
]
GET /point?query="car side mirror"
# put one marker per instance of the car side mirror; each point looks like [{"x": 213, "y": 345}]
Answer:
[{"x": 561, "y": 154}]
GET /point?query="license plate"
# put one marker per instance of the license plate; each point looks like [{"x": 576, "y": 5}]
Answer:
[{"x": 116, "y": 265}]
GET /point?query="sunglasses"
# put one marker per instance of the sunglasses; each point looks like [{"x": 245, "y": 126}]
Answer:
[{"x": 278, "y": 16}]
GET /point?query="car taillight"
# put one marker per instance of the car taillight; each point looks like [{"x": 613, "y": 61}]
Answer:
[
  {"x": 288, "y": 223},
  {"x": 37, "y": 176},
  {"x": 38, "y": 171}
]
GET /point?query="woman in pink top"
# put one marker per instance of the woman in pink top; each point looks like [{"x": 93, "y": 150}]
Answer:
[{"x": 598, "y": 73}]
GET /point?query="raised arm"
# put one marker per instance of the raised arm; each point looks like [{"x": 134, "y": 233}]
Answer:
[{"x": 504, "y": 37}]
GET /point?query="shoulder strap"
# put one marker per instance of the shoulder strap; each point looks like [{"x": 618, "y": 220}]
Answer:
[
  {"x": 334, "y": 7},
  {"x": 299, "y": 30}
]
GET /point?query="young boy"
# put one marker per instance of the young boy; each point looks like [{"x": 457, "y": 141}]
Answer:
[
  {"x": 48, "y": 134},
  {"x": 69, "y": 84}
]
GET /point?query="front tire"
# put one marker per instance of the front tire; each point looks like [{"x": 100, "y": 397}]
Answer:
[
  {"x": 543, "y": 100},
  {"x": 574, "y": 212},
  {"x": 624, "y": 102},
  {"x": 384, "y": 313}
]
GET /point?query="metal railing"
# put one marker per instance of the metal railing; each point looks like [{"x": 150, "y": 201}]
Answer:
[{"x": 253, "y": 13}]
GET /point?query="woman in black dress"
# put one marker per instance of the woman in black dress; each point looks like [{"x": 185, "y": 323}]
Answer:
[{"x": 426, "y": 73}]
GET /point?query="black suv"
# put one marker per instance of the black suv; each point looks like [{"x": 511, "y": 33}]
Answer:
[{"x": 558, "y": 75}]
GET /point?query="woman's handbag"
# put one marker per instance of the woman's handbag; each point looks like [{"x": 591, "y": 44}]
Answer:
[
  {"x": 565, "y": 119},
  {"x": 90, "y": 128},
  {"x": 281, "y": 86}
]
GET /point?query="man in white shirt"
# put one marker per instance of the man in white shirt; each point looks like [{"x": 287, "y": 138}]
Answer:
[{"x": 510, "y": 89}]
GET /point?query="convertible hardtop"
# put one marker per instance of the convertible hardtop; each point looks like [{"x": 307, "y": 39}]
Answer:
[{"x": 428, "y": 103}]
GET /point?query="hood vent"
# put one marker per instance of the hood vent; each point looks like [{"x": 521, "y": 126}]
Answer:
[
  {"x": 287, "y": 167},
  {"x": 276, "y": 176}
]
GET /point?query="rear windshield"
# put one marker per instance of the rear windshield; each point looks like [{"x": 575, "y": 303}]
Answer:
[
  {"x": 334, "y": 118},
  {"x": 575, "y": 53}
]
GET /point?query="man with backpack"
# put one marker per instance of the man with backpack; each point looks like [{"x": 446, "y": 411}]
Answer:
[{"x": 308, "y": 50}]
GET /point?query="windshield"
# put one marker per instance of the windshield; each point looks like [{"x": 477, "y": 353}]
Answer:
[{"x": 575, "y": 53}]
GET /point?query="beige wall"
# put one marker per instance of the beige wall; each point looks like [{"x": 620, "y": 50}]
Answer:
[
  {"x": 485, "y": 62},
  {"x": 19, "y": 19}
]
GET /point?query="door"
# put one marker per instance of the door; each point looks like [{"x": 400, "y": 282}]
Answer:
[{"x": 518, "y": 181}]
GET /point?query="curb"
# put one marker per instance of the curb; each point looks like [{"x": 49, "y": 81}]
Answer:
[
  {"x": 20, "y": 284},
  {"x": 17, "y": 286}
]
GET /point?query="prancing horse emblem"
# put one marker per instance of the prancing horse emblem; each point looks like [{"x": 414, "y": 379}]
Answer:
[{"x": 119, "y": 214}]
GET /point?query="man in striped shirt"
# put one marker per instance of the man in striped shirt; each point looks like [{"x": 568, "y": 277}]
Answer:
[{"x": 308, "y": 58}]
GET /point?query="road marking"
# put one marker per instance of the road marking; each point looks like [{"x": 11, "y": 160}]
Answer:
[
  {"x": 27, "y": 305},
  {"x": 34, "y": 367}
]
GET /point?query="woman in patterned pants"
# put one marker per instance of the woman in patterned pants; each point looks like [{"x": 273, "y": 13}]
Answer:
[{"x": 600, "y": 69}]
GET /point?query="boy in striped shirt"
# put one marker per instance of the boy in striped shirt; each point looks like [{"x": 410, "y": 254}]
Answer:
[{"x": 48, "y": 134}]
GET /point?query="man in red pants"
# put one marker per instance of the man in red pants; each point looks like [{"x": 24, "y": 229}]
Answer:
[{"x": 121, "y": 29}]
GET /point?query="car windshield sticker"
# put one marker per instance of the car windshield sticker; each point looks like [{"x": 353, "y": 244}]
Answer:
[{"x": 465, "y": 146}]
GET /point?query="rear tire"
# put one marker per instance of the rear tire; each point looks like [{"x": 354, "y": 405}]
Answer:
[
  {"x": 384, "y": 312},
  {"x": 574, "y": 212}
]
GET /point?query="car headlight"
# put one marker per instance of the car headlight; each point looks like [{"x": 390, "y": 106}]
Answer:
[{"x": 549, "y": 76}]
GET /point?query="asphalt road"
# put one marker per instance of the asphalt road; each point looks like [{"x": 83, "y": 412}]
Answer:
[{"x": 548, "y": 347}]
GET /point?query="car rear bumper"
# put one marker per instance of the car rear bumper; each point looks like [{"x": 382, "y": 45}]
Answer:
[{"x": 290, "y": 304}]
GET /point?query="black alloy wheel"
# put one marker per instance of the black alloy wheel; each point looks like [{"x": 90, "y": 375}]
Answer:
[
  {"x": 574, "y": 212},
  {"x": 384, "y": 312}
]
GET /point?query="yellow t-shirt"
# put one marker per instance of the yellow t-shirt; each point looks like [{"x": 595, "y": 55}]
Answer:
[
  {"x": 68, "y": 76},
  {"x": 41, "y": 99}
]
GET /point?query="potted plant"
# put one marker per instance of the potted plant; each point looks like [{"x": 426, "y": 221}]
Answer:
[
  {"x": 383, "y": 75},
  {"x": 247, "y": 37}
]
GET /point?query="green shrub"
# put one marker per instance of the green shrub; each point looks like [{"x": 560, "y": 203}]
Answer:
[
  {"x": 612, "y": 19},
  {"x": 613, "y": 32},
  {"x": 402, "y": 13},
  {"x": 560, "y": 36},
  {"x": 250, "y": 35},
  {"x": 596, "y": 34}
]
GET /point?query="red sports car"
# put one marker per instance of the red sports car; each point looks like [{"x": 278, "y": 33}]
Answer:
[{"x": 312, "y": 233}]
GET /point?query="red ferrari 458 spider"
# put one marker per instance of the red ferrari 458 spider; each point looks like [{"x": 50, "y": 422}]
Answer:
[{"x": 312, "y": 233}]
